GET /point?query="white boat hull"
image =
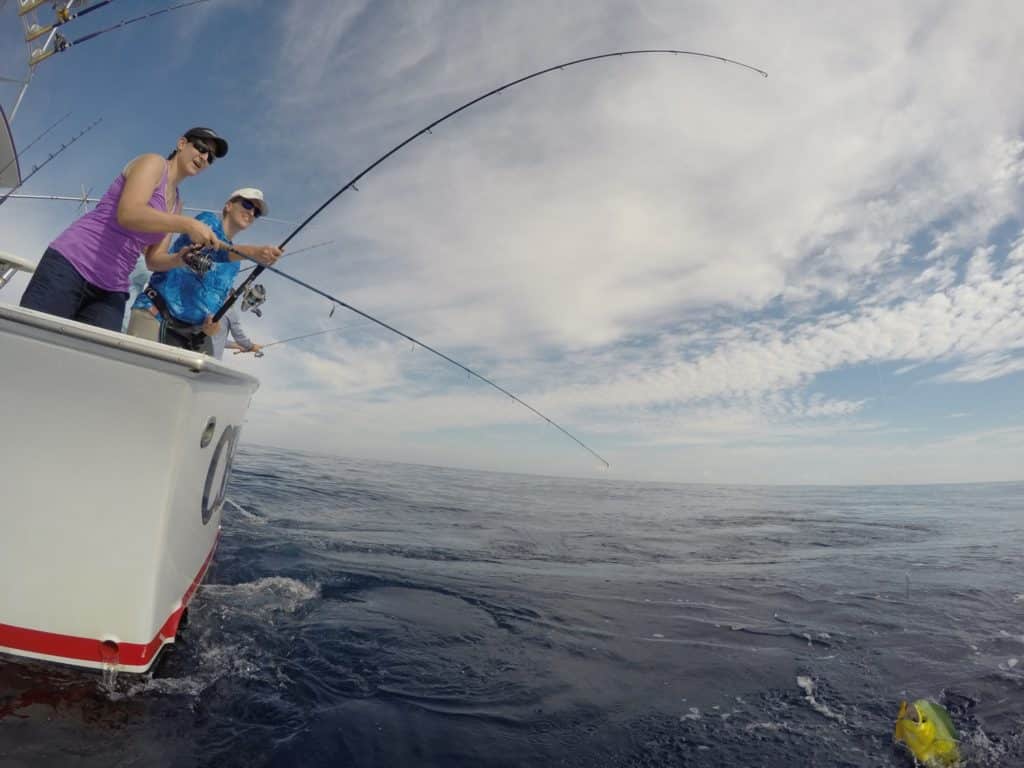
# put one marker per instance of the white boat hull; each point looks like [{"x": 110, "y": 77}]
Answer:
[{"x": 113, "y": 460}]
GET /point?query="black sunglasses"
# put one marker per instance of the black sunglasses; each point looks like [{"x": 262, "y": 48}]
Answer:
[
  {"x": 249, "y": 205},
  {"x": 203, "y": 149}
]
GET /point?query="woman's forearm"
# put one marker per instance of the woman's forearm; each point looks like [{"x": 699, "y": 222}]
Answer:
[
  {"x": 145, "y": 219},
  {"x": 239, "y": 252},
  {"x": 158, "y": 259}
]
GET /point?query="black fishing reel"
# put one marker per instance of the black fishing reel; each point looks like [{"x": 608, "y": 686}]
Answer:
[
  {"x": 253, "y": 297},
  {"x": 198, "y": 260}
]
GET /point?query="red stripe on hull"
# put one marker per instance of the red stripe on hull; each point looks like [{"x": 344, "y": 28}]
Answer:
[{"x": 93, "y": 650}]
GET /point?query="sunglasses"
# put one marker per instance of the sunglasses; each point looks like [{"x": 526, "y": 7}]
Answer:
[
  {"x": 203, "y": 149},
  {"x": 249, "y": 205}
]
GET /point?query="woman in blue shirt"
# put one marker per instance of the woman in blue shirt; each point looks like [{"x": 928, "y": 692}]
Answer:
[{"x": 178, "y": 305}]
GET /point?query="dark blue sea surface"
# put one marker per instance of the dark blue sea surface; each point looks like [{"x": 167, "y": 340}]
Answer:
[{"x": 369, "y": 614}]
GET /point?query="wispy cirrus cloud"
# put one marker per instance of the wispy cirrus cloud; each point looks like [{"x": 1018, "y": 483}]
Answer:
[{"x": 669, "y": 254}]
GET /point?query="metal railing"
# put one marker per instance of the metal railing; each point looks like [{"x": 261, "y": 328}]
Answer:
[{"x": 9, "y": 264}]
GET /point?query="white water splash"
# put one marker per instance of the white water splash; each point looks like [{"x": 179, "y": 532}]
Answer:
[
  {"x": 272, "y": 594},
  {"x": 246, "y": 513},
  {"x": 234, "y": 656},
  {"x": 807, "y": 684},
  {"x": 764, "y": 726}
]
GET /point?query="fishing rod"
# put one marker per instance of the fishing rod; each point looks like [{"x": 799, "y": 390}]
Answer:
[
  {"x": 37, "y": 168},
  {"x": 442, "y": 355},
  {"x": 61, "y": 43},
  {"x": 64, "y": 15},
  {"x": 241, "y": 288},
  {"x": 299, "y": 338},
  {"x": 34, "y": 142}
]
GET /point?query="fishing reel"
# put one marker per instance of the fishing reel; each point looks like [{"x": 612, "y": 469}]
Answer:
[
  {"x": 198, "y": 260},
  {"x": 253, "y": 297}
]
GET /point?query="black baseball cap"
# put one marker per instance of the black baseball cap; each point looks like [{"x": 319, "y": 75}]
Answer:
[{"x": 220, "y": 146}]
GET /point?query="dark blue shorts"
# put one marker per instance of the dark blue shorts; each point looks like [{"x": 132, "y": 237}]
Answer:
[{"x": 57, "y": 289}]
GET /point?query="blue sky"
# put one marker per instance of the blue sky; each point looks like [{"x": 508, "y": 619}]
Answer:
[{"x": 706, "y": 275}]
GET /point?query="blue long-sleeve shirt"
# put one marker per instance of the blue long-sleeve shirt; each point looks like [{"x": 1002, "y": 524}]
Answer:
[
  {"x": 189, "y": 296},
  {"x": 230, "y": 323}
]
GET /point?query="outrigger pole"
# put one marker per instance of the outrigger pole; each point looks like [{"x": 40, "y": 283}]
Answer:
[
  {"x": 64, "y": 15},
  {"x": 84, "y": 199},
  {"x": 37, "y": 168},
  {"x": 33, "y": 143},
  {"x": 61, "y": 43}
]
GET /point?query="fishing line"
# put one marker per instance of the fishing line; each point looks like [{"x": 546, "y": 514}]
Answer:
[
  {"x": 469, "y": 371},
  {"x": 347, "y": 326},
  {"x": 233, "y": 296},
  {"x": 293, "y": 253}
]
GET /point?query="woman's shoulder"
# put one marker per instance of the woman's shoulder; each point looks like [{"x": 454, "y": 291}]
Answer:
[{"x": 147, "y": 163}]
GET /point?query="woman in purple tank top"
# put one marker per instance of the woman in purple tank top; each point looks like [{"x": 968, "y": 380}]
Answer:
[{"x": 84, "y": 274}]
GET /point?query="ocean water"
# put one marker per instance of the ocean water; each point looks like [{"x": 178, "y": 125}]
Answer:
[{"x": 370, "y": 614}]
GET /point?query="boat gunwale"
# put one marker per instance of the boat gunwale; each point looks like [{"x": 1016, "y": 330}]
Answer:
[{"x": 196, "y": 362}]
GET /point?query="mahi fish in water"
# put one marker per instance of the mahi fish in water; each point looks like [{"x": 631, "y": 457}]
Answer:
[{"x": 925, "y": 728}]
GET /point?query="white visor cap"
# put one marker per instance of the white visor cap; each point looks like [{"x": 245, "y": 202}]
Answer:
[{"x": 254, "y": 195}]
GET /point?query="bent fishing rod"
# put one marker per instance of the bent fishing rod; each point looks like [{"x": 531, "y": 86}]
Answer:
[{"x": 351, "y": 184}]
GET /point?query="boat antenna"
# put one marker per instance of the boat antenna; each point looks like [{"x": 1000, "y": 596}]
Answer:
[
  {"x": 37, "y": 168},
  {"x": 241, "y": 288},
  {"x": 442, "y": 355}
]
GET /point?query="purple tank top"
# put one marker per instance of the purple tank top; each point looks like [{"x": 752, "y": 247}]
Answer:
[{"x": 104, "y": 252}]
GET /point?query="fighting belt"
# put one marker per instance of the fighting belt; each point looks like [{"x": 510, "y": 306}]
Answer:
[{"x": 174, "y": 332}]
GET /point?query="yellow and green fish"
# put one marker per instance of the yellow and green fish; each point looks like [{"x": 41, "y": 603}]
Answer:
[{"x": 927, "y": 731}]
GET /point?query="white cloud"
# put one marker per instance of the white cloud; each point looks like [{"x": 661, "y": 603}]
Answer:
[
  {"x": 990, "y": 366},
  {"x": 666, "y": 252}
]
